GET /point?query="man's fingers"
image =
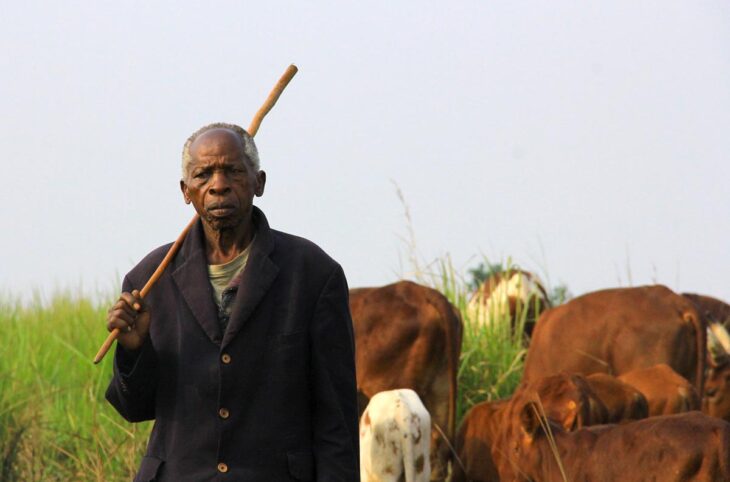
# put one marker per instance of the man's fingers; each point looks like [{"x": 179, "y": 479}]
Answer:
[
  {"x": 138, "y": 303},
  {"x": 123, "y": 306},
  {"x": 120, "y": 323},
  {"x": 123, "y": 315},
  {"x": 131, "y": 301}
]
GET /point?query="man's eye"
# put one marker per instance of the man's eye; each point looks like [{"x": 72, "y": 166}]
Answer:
[{"x": 200, "y": 175}]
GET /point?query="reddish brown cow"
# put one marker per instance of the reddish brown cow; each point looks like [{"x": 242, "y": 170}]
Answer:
[
  {"x": 716, "y": 397},
  {"x": 623, "y": 402},
  {"x": 714, "y": 310},
  {"x": 666, "y": 391},
  {"x": 568, "y": 400},
  {"x": 674, "y": 448},
  {"x": 474, "y": 442},
  {"x": 716, "y": 401},
  {"x": 618, "y": 330},
  {"x": 409, "y": 336}
]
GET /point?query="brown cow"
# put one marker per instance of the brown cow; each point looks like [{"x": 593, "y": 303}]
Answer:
[
  {"x": 566, "y": 399},
  {"x": 714, "y": 310},
  {"x": 623, "y": 402},
  {"x": 716, "y": 401},
  {"x": 409, "y": 336},
  {"x": 666, "y": 391},
  {"x": 674, "y": 448},
  {"x": 512, "y": 294},
  {"x": 618, "y": 330},
  {"x": 474, "y": 441}
]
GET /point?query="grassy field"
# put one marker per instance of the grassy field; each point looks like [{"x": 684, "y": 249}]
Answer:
[
  {"x": 56, "y": 425},
  {"x": 54, "y": 421}
]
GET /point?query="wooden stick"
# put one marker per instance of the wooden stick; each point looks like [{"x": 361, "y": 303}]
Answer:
[
  {"x": 252, "y": 130},
  {"x": 271, "y": 100}
]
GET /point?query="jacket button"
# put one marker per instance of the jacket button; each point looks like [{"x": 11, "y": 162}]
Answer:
[
  {"x": 223, "y": 412},
  {"x": 226, "y": 358},
  {"x": 223, "y": 468}
]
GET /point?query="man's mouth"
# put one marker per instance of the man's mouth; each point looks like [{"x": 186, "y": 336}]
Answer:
[{"x": 221, "y": 210}]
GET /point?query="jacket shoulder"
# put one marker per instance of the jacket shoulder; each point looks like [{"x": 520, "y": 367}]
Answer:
[
  {"x": 144, "y": 269},
  {"x": 302, "y": 250}
]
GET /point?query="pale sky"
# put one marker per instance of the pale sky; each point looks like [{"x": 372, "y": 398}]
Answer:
[{"x": 585, "y": 140}]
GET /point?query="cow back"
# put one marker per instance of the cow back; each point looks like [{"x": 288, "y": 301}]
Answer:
[
  {"x": 665, "y": 390},
  {"x": 618, "y": 330}
]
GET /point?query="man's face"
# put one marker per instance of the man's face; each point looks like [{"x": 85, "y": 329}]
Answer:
[{"x": 220, "y": 181}]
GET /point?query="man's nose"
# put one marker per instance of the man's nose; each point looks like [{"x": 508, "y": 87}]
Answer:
[{"x": 219, "y": 184}]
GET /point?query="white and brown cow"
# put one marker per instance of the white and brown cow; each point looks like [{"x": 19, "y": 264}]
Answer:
[
  {"x": 509, "y": 294},
  {"x": 395, "y": 438}
]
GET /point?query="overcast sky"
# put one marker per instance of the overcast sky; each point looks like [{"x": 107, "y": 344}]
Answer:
[{"x": 588, "y": 141}]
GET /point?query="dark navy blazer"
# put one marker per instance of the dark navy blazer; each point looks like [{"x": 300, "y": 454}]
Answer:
[{"x": 271, "y": 399}]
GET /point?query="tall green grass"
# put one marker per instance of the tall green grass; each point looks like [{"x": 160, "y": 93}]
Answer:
[
  {"x": 54, "y": 421},
  {"x": 492, "y": 355}
]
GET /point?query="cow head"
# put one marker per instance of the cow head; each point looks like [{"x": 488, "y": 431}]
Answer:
[
  {"x": 569, "y": 401},
  {"x": 548, "y": 406},
  {"x": 523, "y": 442},
  {"x": 716, "y": 399}
]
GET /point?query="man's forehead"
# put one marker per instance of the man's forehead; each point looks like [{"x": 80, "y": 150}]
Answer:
[
  {"x": 219, "y": 144},
  {"x": 218, "y": 138}
]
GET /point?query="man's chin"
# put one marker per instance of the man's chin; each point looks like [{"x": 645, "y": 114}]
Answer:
[{"x": 222, "y": 223}]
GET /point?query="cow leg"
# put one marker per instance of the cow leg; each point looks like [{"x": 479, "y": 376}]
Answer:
[
  {"x": 415, "y": 425},
  {"x": 440, "y": 452}
]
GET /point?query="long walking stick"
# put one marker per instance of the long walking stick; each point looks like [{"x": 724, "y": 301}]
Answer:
[{"x": 252, "y": 130}]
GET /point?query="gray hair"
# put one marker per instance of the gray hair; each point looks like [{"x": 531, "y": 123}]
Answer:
[{"x": 249, "y": 147}]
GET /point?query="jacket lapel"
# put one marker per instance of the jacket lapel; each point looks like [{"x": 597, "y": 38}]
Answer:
[
  {"x": 258, "y": 275},
  {"x": 191, "y": 278}
]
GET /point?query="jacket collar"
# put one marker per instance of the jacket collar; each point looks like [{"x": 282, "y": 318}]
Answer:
[
  {"x": 191, "y": 278},
  {"x": 257, "y": 277}
]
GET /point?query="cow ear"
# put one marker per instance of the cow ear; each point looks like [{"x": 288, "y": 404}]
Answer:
[{"x": 529, "y": 419}]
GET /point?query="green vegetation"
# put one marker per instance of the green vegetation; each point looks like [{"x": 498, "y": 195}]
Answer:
[
  {"x": 492, "y": 354},
  {"x": 54, "y": 422}
]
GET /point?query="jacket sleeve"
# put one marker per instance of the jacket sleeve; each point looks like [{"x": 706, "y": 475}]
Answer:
[
  {"x": 132, "y": 388},
  {"x": 335, "y": 421}
]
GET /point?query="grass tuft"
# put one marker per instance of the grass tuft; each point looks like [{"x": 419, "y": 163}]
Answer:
[{"x": 54, "y": 421}]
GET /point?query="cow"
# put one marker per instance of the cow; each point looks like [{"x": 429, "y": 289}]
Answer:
[
  {"x": 474, "y": 440},
  {"x": 673, "y": 448},
  {"x": 509, "y": 295},
  {"x": 567, "y": 399},
  {"x": 716, "y": 399},
  {"x": 622, "y": 401},
  {"x": 618, "y": 330},
  {"x": 666, "y": 391},
  {"x": 713, "y": 309},
  {"x": 395, "y": 433},
  {"x": 409, "y": 336}
]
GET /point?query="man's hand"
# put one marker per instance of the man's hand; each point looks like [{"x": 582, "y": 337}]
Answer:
[{"x": 131, "y": 316}]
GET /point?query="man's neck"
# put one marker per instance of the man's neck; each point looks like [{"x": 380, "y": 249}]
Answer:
[{"x": 222, "y": 246}]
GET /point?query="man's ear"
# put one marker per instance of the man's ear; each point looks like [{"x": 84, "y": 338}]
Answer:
[
  {"x": 260, "y": 183},
  {"x": 529, "y": 419},
  {"x": 184, "y": 189}
]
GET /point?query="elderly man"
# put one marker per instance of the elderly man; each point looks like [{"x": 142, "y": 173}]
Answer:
[{"x": 243, "y": 352}]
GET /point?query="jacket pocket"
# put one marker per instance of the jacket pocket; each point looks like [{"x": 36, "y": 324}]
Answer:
[
  {"x": 148, "y": 469},
  {"x": 301, "y": 465}
]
